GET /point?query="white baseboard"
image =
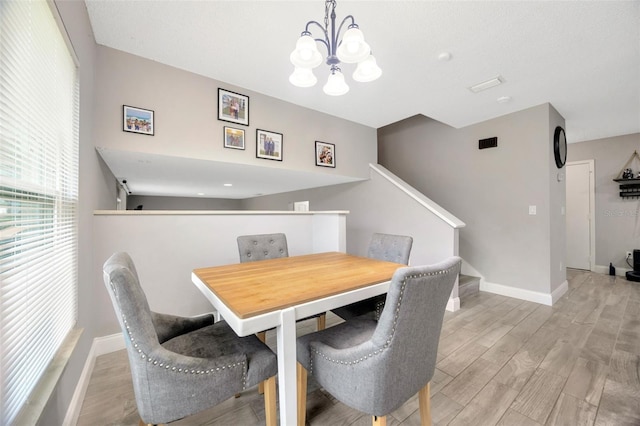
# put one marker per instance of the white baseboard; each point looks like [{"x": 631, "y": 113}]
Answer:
[
  {"x": 559, "y": 292},
  {"x": 453, "y": 304},
  {"x": 100, "y": 346},
  {"x": 519, "y": 293}
]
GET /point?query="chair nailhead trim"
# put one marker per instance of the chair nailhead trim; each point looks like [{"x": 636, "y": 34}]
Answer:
[
  {"x": 393, "y": 329},
  {"x": 175, "y": 369}
]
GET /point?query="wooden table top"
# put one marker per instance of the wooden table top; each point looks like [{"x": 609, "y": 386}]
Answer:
[{"x": 255, "y": 288}]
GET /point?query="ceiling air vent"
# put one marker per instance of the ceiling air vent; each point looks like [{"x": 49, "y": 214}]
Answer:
[{"x": 488, "y": 143}]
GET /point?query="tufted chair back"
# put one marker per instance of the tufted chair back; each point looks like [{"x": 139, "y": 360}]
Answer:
[
  {"x": 262, "y": 246},
  {"x": 182, "y": 365},
  {"x": 375, "y": 367},
  {"x": 392, "y": 248}
]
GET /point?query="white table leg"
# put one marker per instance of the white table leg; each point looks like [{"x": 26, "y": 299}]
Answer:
[{"x": 286, "y": 341}]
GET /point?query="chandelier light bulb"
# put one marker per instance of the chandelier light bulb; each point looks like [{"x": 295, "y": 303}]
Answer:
[
  {"x": 367, "y": 70},
  {"x": 306, "y": 54},
  {"x": 336, "y": 85},
  {"x": 353, "y": 48},
  {"x": 303, "y": 77}
]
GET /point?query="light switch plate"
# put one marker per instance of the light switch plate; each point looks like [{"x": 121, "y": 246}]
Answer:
[{"x": 532, "y": 210}]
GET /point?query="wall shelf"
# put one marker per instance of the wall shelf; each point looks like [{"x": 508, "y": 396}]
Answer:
[{"x": 630, "y": 187}]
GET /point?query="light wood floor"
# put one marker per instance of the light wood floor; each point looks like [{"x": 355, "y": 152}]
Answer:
[{"x": 501, "y": 361}]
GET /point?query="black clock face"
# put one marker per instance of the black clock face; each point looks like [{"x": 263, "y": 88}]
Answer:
[{"x": 560, "y": 147}]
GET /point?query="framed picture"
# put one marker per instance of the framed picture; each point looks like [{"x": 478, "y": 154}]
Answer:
[
  {"x": 268, "y": 145},
  {"x": 233, "y": 107},
  {"x": 325, "y": 154},
  {"x": 137, "y": 120},
  {"x": 233, "y": 138}
]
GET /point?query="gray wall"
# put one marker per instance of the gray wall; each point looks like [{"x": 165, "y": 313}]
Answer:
[
  {"x": 97, "y": 190},
  {"x": 374, "y": 205},
  {"x": 490, "y": 190},
  {"x": 617, "y": 219},
  {"x": 182, "y": 203},
  {"x": 185, "y": 111},
  {"x": 557, "y": 206},
  {"x": 201, "y": 240}
]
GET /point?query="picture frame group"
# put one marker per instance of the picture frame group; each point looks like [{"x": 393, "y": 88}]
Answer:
[
  {"x": 325, "y": 154},
  {"x": 137, "y": 120},
  {"x": 233, "y": 107},
  {"x": 269, "y": 145}
]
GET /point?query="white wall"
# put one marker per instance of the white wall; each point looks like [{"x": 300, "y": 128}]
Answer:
[{"x": 617, "y": 220}]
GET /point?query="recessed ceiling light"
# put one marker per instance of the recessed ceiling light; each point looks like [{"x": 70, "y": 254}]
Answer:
[
  {"x": 200, "y": 193},
  {"x": 503, "y": 99},
  {"x": 444, "y": 56},
  {"x": 487, "y": 84},
  {"x": 228, "y": 184}
]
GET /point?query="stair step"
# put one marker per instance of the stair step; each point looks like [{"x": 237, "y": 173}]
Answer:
[{"x": 468, "y": 285}]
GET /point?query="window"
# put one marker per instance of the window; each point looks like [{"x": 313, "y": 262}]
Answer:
[{"x": 38, "y": 197}]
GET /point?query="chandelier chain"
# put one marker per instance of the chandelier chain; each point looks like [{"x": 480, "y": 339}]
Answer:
[{"x": 328, "y": 5}]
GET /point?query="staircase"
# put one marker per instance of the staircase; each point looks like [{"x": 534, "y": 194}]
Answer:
[{"x": 468, "y": 285}]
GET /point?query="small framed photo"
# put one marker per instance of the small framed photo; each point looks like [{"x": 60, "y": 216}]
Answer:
[
  {"x": 233, "y": 107},
  {"x": 325, "y": 154},
  {"x": 137, "y": 120},
  {"x": 233, "y": 138},
  {"x": 268, "y": 145}
]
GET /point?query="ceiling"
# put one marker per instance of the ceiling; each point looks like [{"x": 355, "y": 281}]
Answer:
[
  {"x": 151, "y": 174},
  {"x": 583, "y": 57}
]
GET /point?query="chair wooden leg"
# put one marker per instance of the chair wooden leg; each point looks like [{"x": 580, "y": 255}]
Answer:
[
  {"x": 262, "y": 336},
  {"x": 379, "y": 420},
  {"x": 301, "y": 375},
  {"x": 322, "y": 321},
  {"x": 424, "y": 397},
  {"x": 270, "y": 401},
  {"x": 147, "y": 424}
]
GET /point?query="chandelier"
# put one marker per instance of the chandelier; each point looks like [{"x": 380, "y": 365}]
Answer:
[{"x": 350, "y": 49}]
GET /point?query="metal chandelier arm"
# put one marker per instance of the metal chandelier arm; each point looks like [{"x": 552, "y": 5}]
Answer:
[
  {"x": 324, "y": 31},
  {"x": 353, "y": 24}
]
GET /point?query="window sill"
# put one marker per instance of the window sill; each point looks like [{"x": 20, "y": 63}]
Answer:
[{"x": 35, "y": 405}]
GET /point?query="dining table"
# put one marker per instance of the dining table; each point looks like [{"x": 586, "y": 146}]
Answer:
[{"x": 275, "y": 293}]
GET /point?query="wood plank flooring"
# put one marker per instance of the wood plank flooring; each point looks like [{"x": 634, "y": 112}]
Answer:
[{"x": 501, "y": 361}]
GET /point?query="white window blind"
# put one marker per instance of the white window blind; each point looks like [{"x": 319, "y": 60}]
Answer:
[{"x": 38, "y": 196}]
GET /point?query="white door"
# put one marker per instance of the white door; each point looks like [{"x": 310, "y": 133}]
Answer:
[{"x": 580, "y": 206}]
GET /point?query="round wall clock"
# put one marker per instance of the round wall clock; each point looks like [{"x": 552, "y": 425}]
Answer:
[{"x": 560, "y": 147}]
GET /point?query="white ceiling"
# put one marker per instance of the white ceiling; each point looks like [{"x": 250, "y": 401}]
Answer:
[
  {"x": 150, "y": 174},
  {"x": 583, "y": 57}
]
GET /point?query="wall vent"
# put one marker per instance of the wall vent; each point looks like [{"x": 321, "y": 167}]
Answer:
[{"x": 488, "y": 143}]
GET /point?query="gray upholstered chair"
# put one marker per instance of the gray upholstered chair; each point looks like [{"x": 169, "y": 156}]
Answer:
[
  {"x": 181, "y": 366},
  {"x": 269, "y": 246},
  {"x": 392, "y": 248},
  {"x": 376, "y": 366}
]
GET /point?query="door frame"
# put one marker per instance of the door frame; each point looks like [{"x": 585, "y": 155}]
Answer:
[{"x": 592, "y": 209}]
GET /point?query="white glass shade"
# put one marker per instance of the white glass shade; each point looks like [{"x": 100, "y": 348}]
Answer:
[
  {"x": 306, "y": 54},
  {"x": 367, "y": 70},
  {"x": 303, "y": 77},
  {"x": 335, "y": 84},
  {"x": 353, "y": 47}
]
